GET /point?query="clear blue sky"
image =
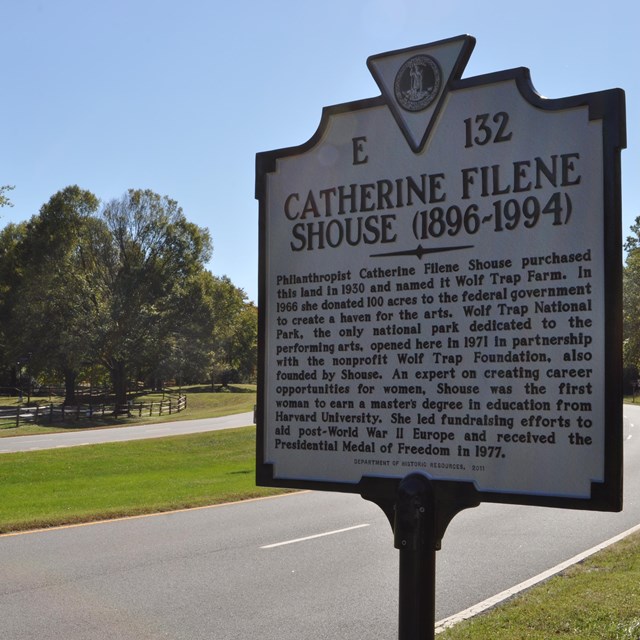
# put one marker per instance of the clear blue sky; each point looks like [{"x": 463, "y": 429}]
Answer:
[{"x": 179, "y": 96}]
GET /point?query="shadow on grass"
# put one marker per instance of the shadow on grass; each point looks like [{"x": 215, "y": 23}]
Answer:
[
  {"x": 77, "y": 425},
  {"x": 98, "y": 421},
  {"x": 219, "y": 388}
]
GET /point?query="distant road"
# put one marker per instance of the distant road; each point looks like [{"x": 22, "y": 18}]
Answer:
[{"x": 121, "y": 434}]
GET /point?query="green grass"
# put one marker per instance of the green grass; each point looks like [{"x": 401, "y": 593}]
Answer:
[
  {"x": 201, "y": 403},
  {"x": 80, "y": 484},
  {"x": 598, "y": 599}
]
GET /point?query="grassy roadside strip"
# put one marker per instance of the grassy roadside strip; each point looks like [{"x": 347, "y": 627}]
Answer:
[
  {"x": 80, "y": 484},
  {"x": 597, "y": 599}
]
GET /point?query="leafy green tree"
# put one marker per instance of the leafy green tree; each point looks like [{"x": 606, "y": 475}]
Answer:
[
  {"x": 631, "y": 298},
  {"x": 234, "y": 333},
  {"x": 4, "y": 199},
  {"x": 11, "y": 237},
  {"x": 633, "y": 241},
  {"x": 48, "y": 317},
  {"x": 146, "y": 264},
  {"x": 631, "y": 311},
  {"x": 243, "y": 349},
  {"x": 183, "y": 347},
  {"x": 124, "y": 291}
]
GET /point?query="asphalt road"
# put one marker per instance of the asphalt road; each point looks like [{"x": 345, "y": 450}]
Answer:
[
  {"x": 120, "y": 434},
  {"x": 305, "y": 566}
]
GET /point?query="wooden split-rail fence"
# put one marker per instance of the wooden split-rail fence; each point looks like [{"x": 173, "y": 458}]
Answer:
[{"x": 50, "y": 413}]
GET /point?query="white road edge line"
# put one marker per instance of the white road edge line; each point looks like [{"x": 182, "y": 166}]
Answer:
[
  {"x": 527, "y": 584},
  {"x": 317, "y": 535}
]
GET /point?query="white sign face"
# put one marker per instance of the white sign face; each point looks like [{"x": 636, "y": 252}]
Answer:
[{"x": 435, "y": 278}]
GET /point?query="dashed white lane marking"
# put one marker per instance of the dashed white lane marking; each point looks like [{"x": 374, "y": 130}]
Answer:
[{"x": 317, "y": 535}]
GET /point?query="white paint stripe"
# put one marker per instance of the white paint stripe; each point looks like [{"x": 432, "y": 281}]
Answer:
[
  {"x": 527, "y": 584},
  {"x": 317, "y": 535}
]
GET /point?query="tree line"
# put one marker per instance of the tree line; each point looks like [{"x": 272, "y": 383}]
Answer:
[
  {"x": 118, "y": 292},
  {"x": 631, "y": 308}
]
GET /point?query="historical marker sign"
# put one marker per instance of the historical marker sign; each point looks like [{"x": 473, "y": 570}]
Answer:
[{"x": 440, "y": 288}]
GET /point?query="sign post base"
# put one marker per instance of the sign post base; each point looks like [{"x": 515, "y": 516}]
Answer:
[
  {"x": 419, "y": 515},
  {"x": 415, "y": 537}
]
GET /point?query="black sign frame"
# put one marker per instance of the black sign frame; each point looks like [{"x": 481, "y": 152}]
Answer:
[{"x": 608, "y": 106}]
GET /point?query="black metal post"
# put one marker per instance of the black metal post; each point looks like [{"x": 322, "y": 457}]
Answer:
[
  {"x": 419, "y": 510},
  {"x": 416, "y": 537},
  {"x": 29, "y": 377}
]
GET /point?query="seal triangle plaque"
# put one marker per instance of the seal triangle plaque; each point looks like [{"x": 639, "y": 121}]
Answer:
[{"x": 415, "y": 81}]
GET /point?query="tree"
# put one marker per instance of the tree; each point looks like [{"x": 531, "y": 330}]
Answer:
[
  {"x": 48, "y": 317},
  {"x": 631, "y": 298},
  {"x": 183, "y": 348},
  {"x": 123, "y": 290},
  {"x": 633, "y": 241},
  {"x": 631, "y": 310},
  {"x": 4, "y": 199},
  {"x": 234, "y": 332},
  {"x": 11, "y": 238},
  {"x": 146, "y": 264},
  {"x": 243, "y": 350}
]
